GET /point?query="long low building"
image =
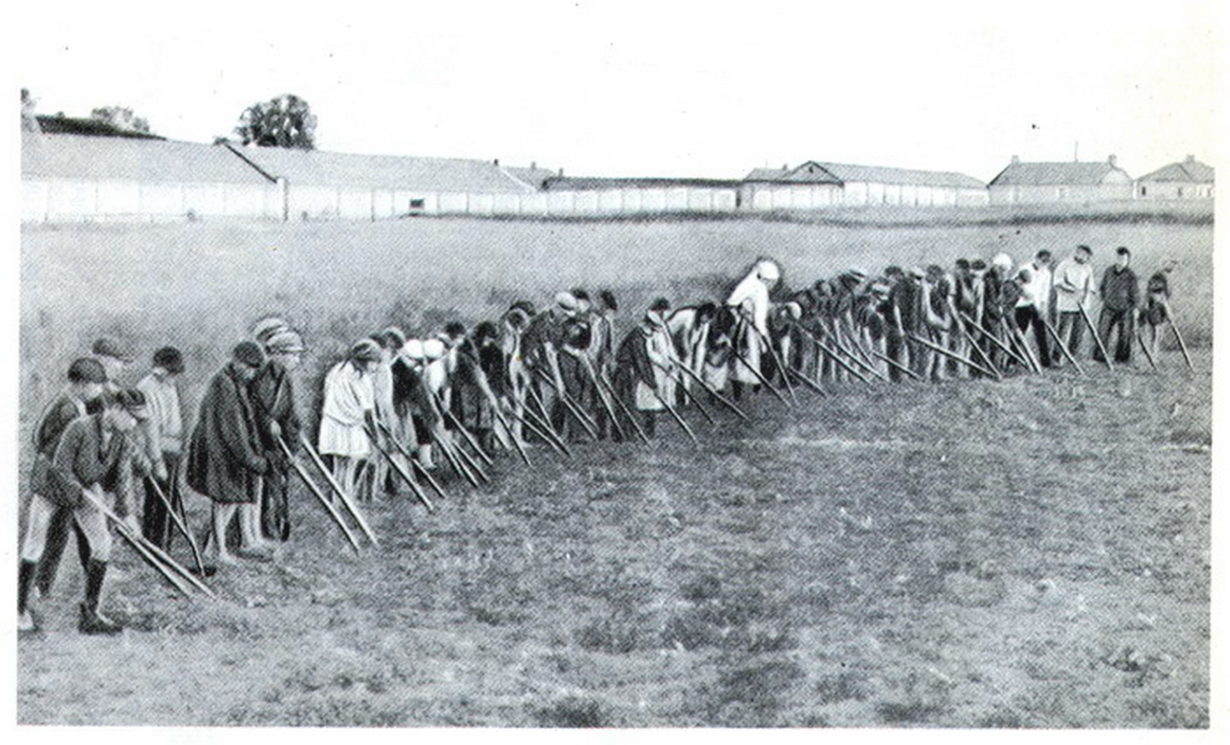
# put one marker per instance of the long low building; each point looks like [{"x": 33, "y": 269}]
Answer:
[
  {"x": 814, "y": 184},
  {"x": 1072, "y": 182},
  {"x": 73, "y": 177}
]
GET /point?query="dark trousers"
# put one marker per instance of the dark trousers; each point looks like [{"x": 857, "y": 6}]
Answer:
[
  {"x": 58, "y": 530},
  {"x": 1027, "y": 317},
  {"x": 1121, "y": 323},
  {"x": 894, "y": 348},
  {"x": 1072, "y": 331},
  {"x": 156, "y": 522}
]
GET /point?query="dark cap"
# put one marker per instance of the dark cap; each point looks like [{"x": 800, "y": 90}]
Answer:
[
  {"x": 661, "y": 304},
  {"x": 108, "y": 346},
  {"x": 455, "y": 329},
  {"x": 1122, "y": 251},
  {"x": 86, "y": 370},
  {"x": 608, "y": 299},
  {"x": 1086, "y": 249},
  {"x": 486, "y": 330},
  {"x": 169, "y": 359},
  {"x": 248, "y": 353}
]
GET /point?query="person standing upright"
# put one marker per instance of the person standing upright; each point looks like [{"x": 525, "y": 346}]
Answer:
[
  {"x": 1120, "y": 291},
  {"x": 1073, "y": 284}
]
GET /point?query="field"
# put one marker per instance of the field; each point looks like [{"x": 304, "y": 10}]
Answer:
[{"x": 1031, "y": 553}]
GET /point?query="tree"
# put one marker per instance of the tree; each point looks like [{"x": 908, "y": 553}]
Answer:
[
  {"x": 121, "y": 117},
  {"x": 284, "y": 121}
]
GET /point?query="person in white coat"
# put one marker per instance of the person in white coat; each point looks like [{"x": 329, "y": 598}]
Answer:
[
  {"x": 750, "y": 302},
  {"x": 348, "y": 413}
]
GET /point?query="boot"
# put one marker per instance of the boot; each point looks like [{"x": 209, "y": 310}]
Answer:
[
  {"x": 92, "y": 621},
  {"x": 25, "y": 580}
]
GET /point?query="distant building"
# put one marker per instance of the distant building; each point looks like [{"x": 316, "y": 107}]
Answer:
[
  {"x": 1037, "y": 183},
  {"x": 1190, "y": 179},
  {"x": 637, "y": 195},
  {"x": 327, "y": 185},
  {"x": 822, "y": 184},
  {"x": 106, "y": 176},
  {"x": 806, "y": 186},
  {"x": 75, "y": 177}
]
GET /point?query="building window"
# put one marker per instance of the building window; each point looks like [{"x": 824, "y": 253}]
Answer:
[
  {"x": 418, "y": 204},
  {"x": 1180, "y": 191},
  {"x": 1143, "y": 191}
]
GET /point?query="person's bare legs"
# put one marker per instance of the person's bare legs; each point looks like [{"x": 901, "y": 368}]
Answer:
[{"x": 220, "y": 517}]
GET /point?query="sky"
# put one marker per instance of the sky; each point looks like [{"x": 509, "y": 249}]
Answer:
[{"x": 657, "y": 88}]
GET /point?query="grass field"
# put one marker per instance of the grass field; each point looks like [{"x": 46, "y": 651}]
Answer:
[{"x": 1026, "y": 553}]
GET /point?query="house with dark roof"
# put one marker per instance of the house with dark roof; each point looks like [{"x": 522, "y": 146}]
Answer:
[
  {"x": 823, "y": 183},
  {"x": 1073, "y": 182},
  {"x": 1189, "y": 179}
]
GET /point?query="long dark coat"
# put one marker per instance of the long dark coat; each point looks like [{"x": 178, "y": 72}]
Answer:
[{"x": 224, "y": 453}]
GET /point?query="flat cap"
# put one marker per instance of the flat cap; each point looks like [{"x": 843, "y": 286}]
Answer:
[
  {"x": 87, "y": 370},
  {"x": 566, "y": 300},
  {"x": 169, "y": 359},
  {"x": 413, "y": 348}
]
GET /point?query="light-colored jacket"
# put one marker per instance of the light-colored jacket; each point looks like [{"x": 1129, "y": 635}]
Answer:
[{"x": 1073, "y": 285}]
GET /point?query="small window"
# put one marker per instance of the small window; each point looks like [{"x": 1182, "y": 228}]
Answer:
[
  {"x": 1180, "y": 191},
  {"x": 1143, "y": 191},
  {"x": 418, "y": 204}
]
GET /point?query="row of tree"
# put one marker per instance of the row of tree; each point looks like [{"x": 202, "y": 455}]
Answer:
[{"x": 282, "y": 121}]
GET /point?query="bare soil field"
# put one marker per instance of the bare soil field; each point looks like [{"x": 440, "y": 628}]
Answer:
[{"x": 1030, "y": 553}]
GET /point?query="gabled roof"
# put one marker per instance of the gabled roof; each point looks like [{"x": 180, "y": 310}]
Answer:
[
  {"x": 584, "y": 183},
  {"x": 1189, "y": 171},
  {"x": 65, "y": 156},
  {"x": 809, "y": 172},
  {"x": 823, "y": 172},
  {"x": 901, "y": 176},
  {"x": 533, "y": 176},
  {"x": 319, "y": 167},
  {"x": 1055, "y": 174},
  {"x": 73, "y": 126}
]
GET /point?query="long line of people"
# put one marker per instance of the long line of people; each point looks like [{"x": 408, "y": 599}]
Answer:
[{"x": 398, "y": 409}]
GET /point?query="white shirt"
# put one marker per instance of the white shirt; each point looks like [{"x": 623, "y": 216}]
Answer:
[{"x": 1073, "y": 285}]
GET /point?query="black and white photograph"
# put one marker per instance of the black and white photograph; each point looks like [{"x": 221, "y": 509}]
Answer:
[{"x": 502, "y": 368}]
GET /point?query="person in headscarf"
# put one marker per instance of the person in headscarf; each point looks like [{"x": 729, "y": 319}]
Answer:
[
  {"x": 645, "y": 367},
  {"x": 750, "y": 303},
  {"x": 226, "y": 456},
  {"x": 277, "y": 416},
  {"x": 348, "y": 413}
]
